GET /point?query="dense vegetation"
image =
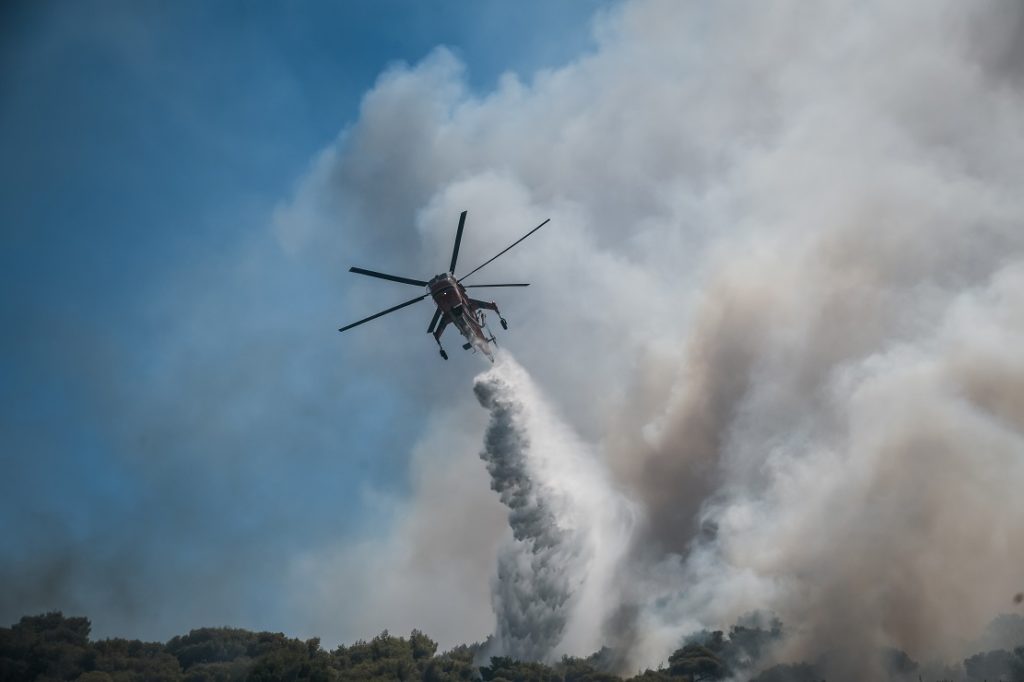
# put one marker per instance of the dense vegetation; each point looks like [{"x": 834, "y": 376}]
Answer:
[{"x": 53, "y": 647}]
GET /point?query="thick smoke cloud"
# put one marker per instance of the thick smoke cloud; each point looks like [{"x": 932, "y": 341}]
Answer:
[{"x": 780, "y": 298}]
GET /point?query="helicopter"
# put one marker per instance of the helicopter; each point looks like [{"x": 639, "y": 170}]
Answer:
[{"x": 454, "y": 305}]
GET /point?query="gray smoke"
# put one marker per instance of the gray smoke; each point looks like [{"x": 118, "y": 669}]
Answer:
[{"x": 781, "y": 302}]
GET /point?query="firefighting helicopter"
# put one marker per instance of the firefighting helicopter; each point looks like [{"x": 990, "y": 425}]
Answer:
[{"x": 454, "y": 305}]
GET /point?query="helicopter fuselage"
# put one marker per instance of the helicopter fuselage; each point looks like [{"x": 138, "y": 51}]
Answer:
[{"x": 459, "y": 309}]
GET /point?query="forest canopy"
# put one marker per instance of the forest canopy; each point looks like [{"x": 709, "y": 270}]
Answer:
[{"x": 55, "y": 647}]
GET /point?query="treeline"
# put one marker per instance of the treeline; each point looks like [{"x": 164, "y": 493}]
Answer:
[{"x": 53, "y": 647}]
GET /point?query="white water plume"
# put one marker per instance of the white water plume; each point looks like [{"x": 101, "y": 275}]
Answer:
[{"x": 570, "y": 527}]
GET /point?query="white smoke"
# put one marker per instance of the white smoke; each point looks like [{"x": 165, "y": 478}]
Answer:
[{"x": 781, "y": 298}]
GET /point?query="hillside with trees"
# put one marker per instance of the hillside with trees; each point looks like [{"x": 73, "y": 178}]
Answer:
[{"x": 55, "y": 647}]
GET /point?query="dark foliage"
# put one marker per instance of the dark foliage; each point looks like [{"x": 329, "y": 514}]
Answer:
[
  {"x": 742, "y": 644},
  {"x": 996, "y": 665},
  {"x": 52, "y": 647},
  {"x": 898, "y": 663},
  {"x": 797, "y": 672},
  {"x": 46, "y": 647},
  {"x": 698, "y": 663},
  {"x": 130, "y": 659},
  {"x": 590, "y": 669},
  {"x": 504, "y": 669}
]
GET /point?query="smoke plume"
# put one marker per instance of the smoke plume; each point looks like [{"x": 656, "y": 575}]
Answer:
[{"x": 780, "y": 304}]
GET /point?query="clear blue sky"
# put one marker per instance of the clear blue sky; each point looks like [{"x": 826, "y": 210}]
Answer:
[{"x": 144, "y": 142}]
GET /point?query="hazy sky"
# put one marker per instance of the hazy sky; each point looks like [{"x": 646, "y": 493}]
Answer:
[
  {"x": 172, "y": 428},
  {"x": 769, "y": 361}
]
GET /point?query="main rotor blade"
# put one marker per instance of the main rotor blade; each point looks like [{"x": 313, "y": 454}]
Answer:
[
  {"x": 458, "y": 240},
  {"x": 393, "y": 278},
  {"x": 507, "y": 248},
  {"x": 482, "y": 286},
  {"x": 384, "y": 312},
  {"x": 434, "y": 320}
]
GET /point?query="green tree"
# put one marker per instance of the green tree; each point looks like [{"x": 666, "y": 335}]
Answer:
[
  {"x": 48, "y": 646},
  {"x": 575, "y": 669},
  {"x": 698, "y": 663},
  {"x": 511, "y": 670},
  {"x": 422, "y": 646},
  {"x": 990, "y": 665},
  {"x": 213, "y": 645},
  {"x": 1017, "y": 665},
  {"x": 385, "y": 657},
  {"x": 293, "y": 661},
  {"x": 452, "y": 666},
  {"x": 126, "y": 660},
  {"x": 898, "y": 663}
]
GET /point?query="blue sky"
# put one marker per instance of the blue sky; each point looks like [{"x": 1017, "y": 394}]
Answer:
[
  {"x": 145, "y": 148},
  {"x": 783, "y": 277}
]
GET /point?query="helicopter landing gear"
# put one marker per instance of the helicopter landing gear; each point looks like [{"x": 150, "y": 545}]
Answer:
[
  {"x": 504, "y": 322},
  {"x": 443, "y": 354}
]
